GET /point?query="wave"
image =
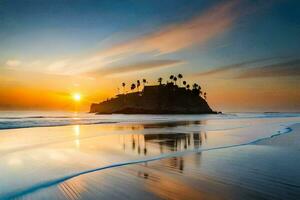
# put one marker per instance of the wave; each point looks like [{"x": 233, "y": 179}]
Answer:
[
  {"x": 26, "y": 124},
  {"x": 16, "y": 122},
  {"x": 36, "y": 117},
  {"x": 49, "y": 183}
]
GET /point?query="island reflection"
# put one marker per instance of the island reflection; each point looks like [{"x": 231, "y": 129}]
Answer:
[{"x": 165, "y": 142}]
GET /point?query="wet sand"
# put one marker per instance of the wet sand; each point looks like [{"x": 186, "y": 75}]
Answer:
[{"x": 268, "y": 169}]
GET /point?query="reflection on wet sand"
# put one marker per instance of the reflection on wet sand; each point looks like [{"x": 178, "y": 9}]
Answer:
[
  {"x": 230, "y": 173},
  {"x": 160, "y": 179},
  {"x": 164, "y": 142},
  {"x": 166, "y": 124},
  {"x": 140, "y": 143}
]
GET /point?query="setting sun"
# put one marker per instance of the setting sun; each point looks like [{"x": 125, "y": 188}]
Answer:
[{"x": 77, "y": 97}]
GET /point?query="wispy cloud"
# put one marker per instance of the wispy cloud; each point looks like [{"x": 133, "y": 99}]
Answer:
[
  {"x": 197, "y": 30},
  {"x": 13, "y": 63},
  {"x": 168, "y": 39},
  {"x": 263, "y": 67},
  {"x": 235, "y": 66},
  {"x": 288, "y": 68},
  {"x": 139, "y": 66}
]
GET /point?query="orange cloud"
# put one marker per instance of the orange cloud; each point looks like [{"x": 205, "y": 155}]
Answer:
[
  {"x": 196, "y": 31},
  {"x": 13, "y": 63},
  {"x": 139, "y": 66}
]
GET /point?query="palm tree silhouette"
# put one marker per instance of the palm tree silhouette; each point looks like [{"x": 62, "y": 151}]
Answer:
[
  {"x": 205, "y": 97},
  {"x": 175, "y": 79},
  {"x": 180, "y": 77},
  {"x": 195, "y": 86},
  {"x": 199, "y": 89},
  {"x": 171, "y": 77},
  {"x": 160, "y": 80},
  {"x": 123, "y": 85},
  {"x": 144, "y": 81},
  {"x": 132, "y": 86},
  {"x": 184, "y": 82},
  {"x": 188, "y": 86},
  {"x": 138, "y": 84}
]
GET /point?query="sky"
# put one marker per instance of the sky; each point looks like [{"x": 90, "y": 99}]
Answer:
[{"x": 244, "y": 53}]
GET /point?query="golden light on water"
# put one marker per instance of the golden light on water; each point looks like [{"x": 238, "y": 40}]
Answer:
[{"x": 76, "y": 130}]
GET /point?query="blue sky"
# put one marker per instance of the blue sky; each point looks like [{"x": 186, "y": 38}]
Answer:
[
  {"x": 96, "y": 39},
  {"x": 61, "y": 28},
  {"x": 82, "y": 25}
]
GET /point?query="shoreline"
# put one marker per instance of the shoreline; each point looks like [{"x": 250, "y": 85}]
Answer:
[
  {"x": 291, "y": 139},
  {"x": 50, "y": 183},
  {"x": 153, "y": 178},
  {"x": 79, "y": 152}
]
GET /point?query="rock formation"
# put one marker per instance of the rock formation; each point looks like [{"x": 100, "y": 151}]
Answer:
[{"x": 157, "y": 99}]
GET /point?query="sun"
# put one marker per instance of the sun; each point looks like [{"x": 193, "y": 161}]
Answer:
[{"x": 76, "y": 97}]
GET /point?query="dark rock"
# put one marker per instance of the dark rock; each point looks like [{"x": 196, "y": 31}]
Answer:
[{"x": 157, "y": 99}]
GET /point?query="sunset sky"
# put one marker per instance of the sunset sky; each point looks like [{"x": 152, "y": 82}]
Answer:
[{"x": 244, "y": 54}]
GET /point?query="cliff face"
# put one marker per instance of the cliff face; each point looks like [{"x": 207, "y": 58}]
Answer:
[{"x": 161, "y": 99}]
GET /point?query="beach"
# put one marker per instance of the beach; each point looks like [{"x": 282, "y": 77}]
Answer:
[
  {"x": 154, "y": 100},
  {"x": 230, "y": 156}
]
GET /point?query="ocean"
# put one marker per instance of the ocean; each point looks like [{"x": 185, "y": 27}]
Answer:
[{"x": 62, "y": 155}]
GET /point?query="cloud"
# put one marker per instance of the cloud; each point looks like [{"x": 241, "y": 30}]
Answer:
[
  {"x": 228, "y": 68},
  {"x": 58, "y": 65},
  {"x": 13, "y": 63},
  {"x": 196, "y": 31},
  {"x": 139, "y": 66},
  {"x": 264, "y": 67},
  {"x": 288, "y": 68}
]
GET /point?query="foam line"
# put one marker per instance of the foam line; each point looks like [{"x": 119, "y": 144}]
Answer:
[
  {"x": 10, "y": 125},
  {"x": 29, "y": 121},
  {"x": 49, "y": 183}
]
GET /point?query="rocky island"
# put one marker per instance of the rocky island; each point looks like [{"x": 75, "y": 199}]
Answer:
[{"x": 166, "y": 98}]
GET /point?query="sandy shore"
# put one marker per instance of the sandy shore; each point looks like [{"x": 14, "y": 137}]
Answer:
[
  {"x": 151, "y": 157},
  {"x": 267, "y": 170}
]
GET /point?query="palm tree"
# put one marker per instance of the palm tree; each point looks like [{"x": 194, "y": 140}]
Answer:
[
  {"x": 199, "y": 89},
  {"x": 205, "y": 95},
  {"x": 144, "y": 81},
  {"x": 188, "y": 86},
  {"x": 180, "y": 77},
  {"x": 160, "y": 80},
  {"x": 195, "y": 86},
  {"x": 123, "y": 85},
  {"x": 175, "y": 79},
  {"x": 171, "y": 77},
  {"x": 184, "y": 82},
  {"x": 138, "y": 84},
  {"x": 132, "y": 86}
]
